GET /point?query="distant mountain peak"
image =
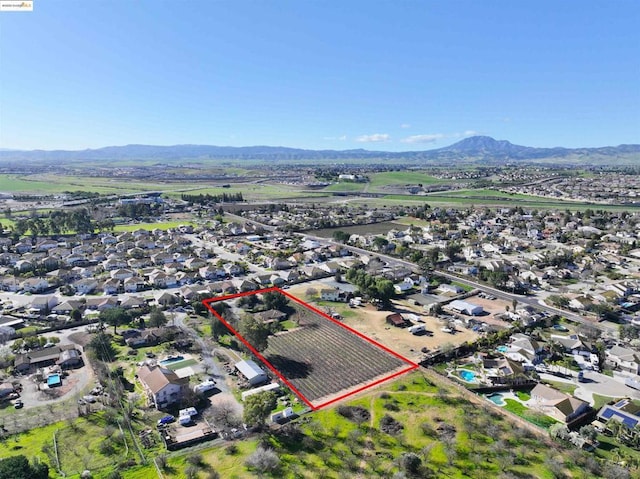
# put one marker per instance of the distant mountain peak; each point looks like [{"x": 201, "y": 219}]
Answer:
[{"x": 484, "y": 144}]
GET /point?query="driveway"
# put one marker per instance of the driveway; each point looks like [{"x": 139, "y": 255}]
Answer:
[{"x": 604, "y": 386}]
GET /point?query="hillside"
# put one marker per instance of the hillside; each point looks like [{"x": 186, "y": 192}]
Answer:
[{"x": 469, "y": 150}]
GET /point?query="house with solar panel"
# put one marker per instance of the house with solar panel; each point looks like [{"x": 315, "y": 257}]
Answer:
[{"x": 624, "y": 411}]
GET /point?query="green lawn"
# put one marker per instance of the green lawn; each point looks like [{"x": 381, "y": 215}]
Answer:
[
  {"x": 567, "y": 388},
  {"x": 600, "y": 401}
]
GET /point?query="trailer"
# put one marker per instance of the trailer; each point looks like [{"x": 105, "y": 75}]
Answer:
[{"x": 417, "y": 329}]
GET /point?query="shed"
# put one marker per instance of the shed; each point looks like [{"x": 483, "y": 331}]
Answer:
[
  {"x": 250, "y": 370},
  {"x": 466, "y": 308},
  {"x": 396, "y": 320}
]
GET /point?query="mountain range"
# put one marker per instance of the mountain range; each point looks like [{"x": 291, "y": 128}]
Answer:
[{"x": 475, "y": 149}]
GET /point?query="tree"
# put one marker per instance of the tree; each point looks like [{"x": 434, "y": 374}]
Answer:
[
  {"x": 275, "y": 300},
  {"x": 18, "y": 467},
  {"x": 452, "y": 250},
  {"x": 589, "y": 432},
  {"x": 341, "y": 236},
  {"x": 218, "y": 328},
  {"x": 410, "y": 463},
  {"x": 263, "y": 460},
  {"x": 380, "y": 242},
  {"x": 258, "y": 407},
  {"x": 558, "y": 301},
  {"x": 255, "y": 331},
  {"x": 114, "y": 317},
  {"x": 157, "y": 318},
  {"x": 76, "y": 314},
  {"x": 101, "y": 346},
  {"x": 384, "y": 290}
]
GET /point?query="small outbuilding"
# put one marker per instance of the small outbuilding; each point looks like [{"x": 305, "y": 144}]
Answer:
[
  {"x": 397, "y": 320},
  {"x": 252, "y": 372}
]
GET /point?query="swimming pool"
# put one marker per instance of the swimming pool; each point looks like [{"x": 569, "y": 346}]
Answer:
[
  {"x": 502, "y": 349},
  {"x": 54, "y": 380},
  {"x": 171, "y": 359},
  {"x": 496, "y": 398},
  {"x": 468, "y": 376}
]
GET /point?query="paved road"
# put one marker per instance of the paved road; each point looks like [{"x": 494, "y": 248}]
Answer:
[{"x": 530, "y": 300}]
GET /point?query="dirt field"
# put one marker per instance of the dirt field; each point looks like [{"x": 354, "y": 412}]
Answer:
[{"x": 372, "y": 323}]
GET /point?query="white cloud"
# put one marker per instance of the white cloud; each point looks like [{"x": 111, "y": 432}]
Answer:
[
  {"x": 429, "y": 138},
  {"x": 470, "y": 133},
  {"x": 334, "y": 138},
  {"x": 375, "y": 138},
  {"x": 405, "y": 125}
]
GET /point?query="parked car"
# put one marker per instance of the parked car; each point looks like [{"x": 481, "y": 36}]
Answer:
[{"x": 166, "y": 420}]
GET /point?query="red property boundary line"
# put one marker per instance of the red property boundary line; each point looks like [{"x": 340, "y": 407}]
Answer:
[{"x": 207, "y": 303}]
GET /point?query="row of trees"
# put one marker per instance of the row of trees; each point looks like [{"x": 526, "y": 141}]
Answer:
[
  {"x": 61, "y": 222},
  {"x": 208, "y": 199}
]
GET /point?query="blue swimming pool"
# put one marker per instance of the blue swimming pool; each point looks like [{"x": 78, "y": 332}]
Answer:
[
  {"x": 54, "y": 380},
  {"x": 496, "y": 398},
  {"x": 502, "y": 349},
  {"x": 468, "y": 376},
  {"x": 171, "y": 359}
]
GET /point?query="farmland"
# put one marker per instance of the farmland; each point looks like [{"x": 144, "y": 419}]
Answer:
[
  {"x": 322, "y": 358},
  {"x": 402, "y": 177}
]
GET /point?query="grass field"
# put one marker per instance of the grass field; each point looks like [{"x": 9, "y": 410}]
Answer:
[
  {"x": 163, "y": 225},
  {"x": 451, "y": 436},
  {"x": 378, "y": 180},
  {"x": 458, "y": 202},
  {"x": 349, "y": 187}
]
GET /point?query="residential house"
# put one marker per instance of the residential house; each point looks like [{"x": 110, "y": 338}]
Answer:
[
  {"x": 86, "y": 286},
  {"x": 67, "y": 306},
  {"x": 623, "y": 411},
  {"x": 525, "y": 349},
  {"x": 271, "y": 316},
  {"x": 122, "y": 274},
  {"x": 34, "y": 285},
  {"x": 556, "y": 404},
  {"x": 132, "y": 302},
  {"x": 111, "y": 286},
  {"x": 333, "y": 294},
  {"x": 232, "y": 269},
  {"x": 42, "y": 357},
  {"x": 43, "y": 304},
  {"x": 162, "y": 386},
  {"x": 624, "y": 359},
  {"x": 134, "y": 284}
]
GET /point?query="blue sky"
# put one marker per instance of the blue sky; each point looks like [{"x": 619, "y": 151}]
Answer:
[{"x": 374, "y": 74}]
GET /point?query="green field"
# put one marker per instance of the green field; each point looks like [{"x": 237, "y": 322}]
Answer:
[
  {"x": 347, "y": 187},
  {"x": 402, "y": 178},
  {"x": 163, "y": 225}
]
